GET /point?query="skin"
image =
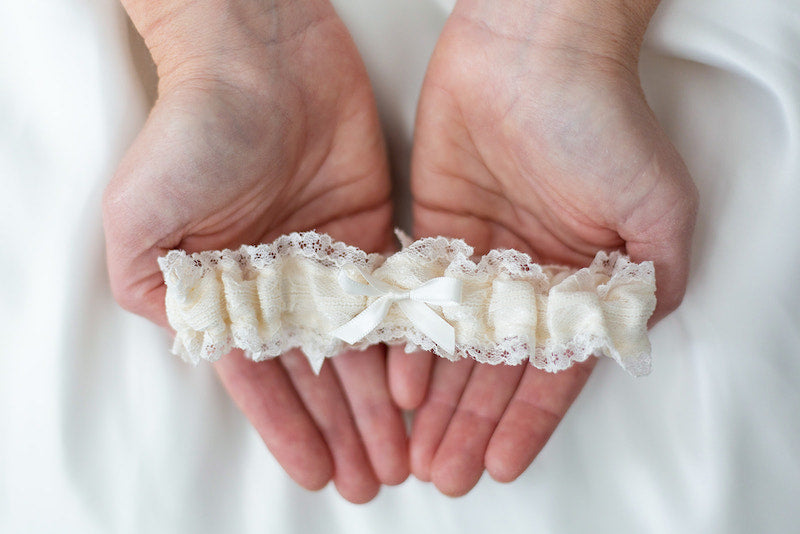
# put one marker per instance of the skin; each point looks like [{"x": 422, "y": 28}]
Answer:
[
  {"x": 532, "y": 132},
  {"x": 265, "y": 124}
]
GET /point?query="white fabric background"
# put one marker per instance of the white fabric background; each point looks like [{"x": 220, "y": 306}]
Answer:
[{"x": 101, "y": 430}]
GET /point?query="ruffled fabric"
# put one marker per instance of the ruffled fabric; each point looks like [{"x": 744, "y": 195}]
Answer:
[{"x": 270, "y": 298}]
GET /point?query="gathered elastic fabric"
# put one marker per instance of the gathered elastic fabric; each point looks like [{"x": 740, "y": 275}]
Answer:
[{"x": 308, "y": 291}]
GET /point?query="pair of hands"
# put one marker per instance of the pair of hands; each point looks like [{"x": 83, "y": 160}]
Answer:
[{"x": 532, "y": 132}]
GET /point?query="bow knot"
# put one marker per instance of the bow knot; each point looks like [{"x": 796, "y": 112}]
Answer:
[{"x": 414, "y": 303}]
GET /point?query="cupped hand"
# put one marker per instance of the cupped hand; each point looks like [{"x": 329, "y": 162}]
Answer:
[
  {"x": 265, "y": 124},
  {"x": 533, "y": 133}
]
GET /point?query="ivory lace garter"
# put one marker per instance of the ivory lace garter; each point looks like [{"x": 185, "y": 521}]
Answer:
[{"x": 307, "y": 291}]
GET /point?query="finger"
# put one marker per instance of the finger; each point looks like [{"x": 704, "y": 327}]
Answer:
[
  {"x": 362, "y": 375},
  {"x": 431, "y": 419},
  {"x": 459, "y": 460},
  {"x": 534, "y": 412},
  {"x": 263, "y": 391},
  {"x": 323, "y": 398},
  {"x": 409, "y": 375}
]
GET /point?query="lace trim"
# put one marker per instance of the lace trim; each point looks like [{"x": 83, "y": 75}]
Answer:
[{"x": 270, "y": 298}]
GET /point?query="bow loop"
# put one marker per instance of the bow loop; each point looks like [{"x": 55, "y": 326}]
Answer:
[
  {"x": 442, "y": 291},
  {"x": 414, "y": 303}
]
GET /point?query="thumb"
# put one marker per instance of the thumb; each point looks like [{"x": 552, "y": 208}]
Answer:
[
  {"x": 142, "y": 219},
  {"x": 659, "y": 229}
]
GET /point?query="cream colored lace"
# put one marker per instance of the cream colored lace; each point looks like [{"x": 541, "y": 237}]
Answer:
[{"x": 301, "y": 292}]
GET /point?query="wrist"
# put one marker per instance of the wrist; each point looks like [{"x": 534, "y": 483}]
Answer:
[
  {"x": 611, "y": 29},
  {"x": 191, "y": 33}
]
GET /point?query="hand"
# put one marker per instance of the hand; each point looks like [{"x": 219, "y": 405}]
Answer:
[
  {"x": 265, "y": 124},
  {"x": 533, "y": 133}
]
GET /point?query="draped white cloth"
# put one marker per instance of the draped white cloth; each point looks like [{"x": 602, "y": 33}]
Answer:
[{"x": 102, "y": 430}]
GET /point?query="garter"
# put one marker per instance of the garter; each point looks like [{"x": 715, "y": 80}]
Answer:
[{"x": 307, "y": 291}]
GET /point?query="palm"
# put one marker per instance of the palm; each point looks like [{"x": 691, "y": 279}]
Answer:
[
  {"x": 249, "y": 167},
  {"x": 549, "y": 155},
  {"x": 250, "y": 150},
  {"x": 516, "y": 148},
  {"x": 239, "y": 151}
]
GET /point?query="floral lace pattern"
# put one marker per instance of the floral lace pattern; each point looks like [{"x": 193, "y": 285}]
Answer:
[{"x": 270, "y": 298}]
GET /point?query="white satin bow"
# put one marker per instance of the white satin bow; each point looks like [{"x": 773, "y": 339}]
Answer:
[{"x": 442, "y": 291}]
